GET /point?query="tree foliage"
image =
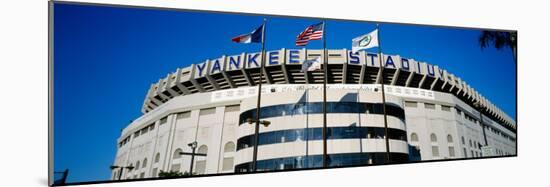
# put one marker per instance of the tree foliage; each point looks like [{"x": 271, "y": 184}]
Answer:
[
  {"x": 498, "y": 39},
  {"x": 166, "y": 174}
]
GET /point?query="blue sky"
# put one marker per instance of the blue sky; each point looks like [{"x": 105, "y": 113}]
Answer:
[{"x": 106, "y": 58}]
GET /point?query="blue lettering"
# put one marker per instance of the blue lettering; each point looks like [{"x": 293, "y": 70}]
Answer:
[
  {"x": 431, "y": 73},
  {"x": 216, "y": 67},
  {"x": 253, "y": 59},
  {"x": 389, "y": 61},
  {"x": 403, "y": 62},
  {"x": 353, "y": 58},
  {"x": 235, "y": 63},
  {"x": 372, "y": 57},
  {"x": 441, "y": 73},
  {"x": 201, "y": 68},
  {"x": 273, "y": 58},
  {"x": 293, "y": 57}
]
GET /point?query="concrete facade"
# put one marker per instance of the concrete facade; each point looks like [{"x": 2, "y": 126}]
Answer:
[{"x": 207, "y": 101}]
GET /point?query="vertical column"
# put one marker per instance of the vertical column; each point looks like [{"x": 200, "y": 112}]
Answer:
[{"x": 215, "y": 142}]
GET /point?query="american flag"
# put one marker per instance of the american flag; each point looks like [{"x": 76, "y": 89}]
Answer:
[{"x": 313, "y": 32}]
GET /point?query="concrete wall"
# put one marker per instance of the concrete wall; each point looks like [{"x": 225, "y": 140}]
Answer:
[{"x": 211, "y": 119}]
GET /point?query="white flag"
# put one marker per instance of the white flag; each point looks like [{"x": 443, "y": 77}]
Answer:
[
  {"x": 311, "y": 65},
  {"x": 366, "y": 41}
]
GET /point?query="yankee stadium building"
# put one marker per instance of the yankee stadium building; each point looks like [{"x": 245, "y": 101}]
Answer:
[{"x": 431, "y": 115}]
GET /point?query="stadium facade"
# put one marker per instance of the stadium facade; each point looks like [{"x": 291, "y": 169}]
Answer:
[{"x": 431, "y": 115}]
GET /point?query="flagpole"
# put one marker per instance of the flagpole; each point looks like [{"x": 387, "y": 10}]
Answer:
[
  {"x": 325, "y": 69},
  {"x": 257, "y": 126},
  {"x": 383, "y": 96}
]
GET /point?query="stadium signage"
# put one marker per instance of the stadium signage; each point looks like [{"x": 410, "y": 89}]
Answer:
[{"x": 297, "y": 56}]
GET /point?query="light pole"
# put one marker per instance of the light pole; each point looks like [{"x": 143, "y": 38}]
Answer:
[
  {"x": 480, "y": 110},
  {"x": 193, "y": 146},
  {"x": 121, "y": 169},
  {"x": 256, "y": 137}
]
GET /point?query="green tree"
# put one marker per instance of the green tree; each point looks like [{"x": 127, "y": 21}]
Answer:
[
  {"x": 165, "y": 174},
  {"x": 499, "y": 39}
]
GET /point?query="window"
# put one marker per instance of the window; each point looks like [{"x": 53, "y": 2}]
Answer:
[
  {"x": 470, "y": 118},
  {"x": 463, "y": 142},
  {"x": 163, "y": 120},
  {"x": 229, "y": 147},
  {"x": 449, "y": 138},
  {"x": 175, "y": 167},
  {"x": 317, "y": 108},
  {"x": 472, "y": 153},
  {"x": 227, "y": 164},
  {"x": 203, "y": 149},
  {"x": 201, "y": 161},
  {"x": 414, "y": 137},
  {"x": 411, "y": 104},
  {"x": 451, "y": 151},
  {"x": 345, "y": 159},
  {"x": 207, "y": 111},
  {"x": 429, "y": 106},
  {"x": 435, "y": 151},
  {"x": 232, "y": 108},
  {"x": 155, "y": 171},
  {"x": 445, "y": 108},
  {"x": 228, "y": 159},
  {"x": 464, "y": 152},
  {"x": 293, "y": 135},
  {"x": 200, "y": 166},
  {"x": 471, "y": 144},
  {"x": 144, "y": 164},
  {"x": 177, "y": 154},
  {"x": 137, "y": 165},
  {"x": 433, "y": 138},
  {"x": 157, "y": 158},
  {"x": 182, "y": 115},
  {"x": 144, "y": 130}
]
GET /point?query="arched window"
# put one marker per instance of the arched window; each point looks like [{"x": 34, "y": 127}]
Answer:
[
  {"x": 203, "y": 149},
  {"x": 463, "y": 142},
  {"x": 229, "y": 147},
  {"x": 449, "y": 138},
  {"x": 201, "y": 161},
  {"x": 144, "y": 163},
  {"x": 433, "y": 137},
  {"x": 177, "y": 154},
  {"x": 157, "y": 158},
  {"x": 414, "y": 137}
]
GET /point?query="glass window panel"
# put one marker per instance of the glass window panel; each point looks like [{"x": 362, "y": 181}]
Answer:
[{"x": 435, "y": 151}]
